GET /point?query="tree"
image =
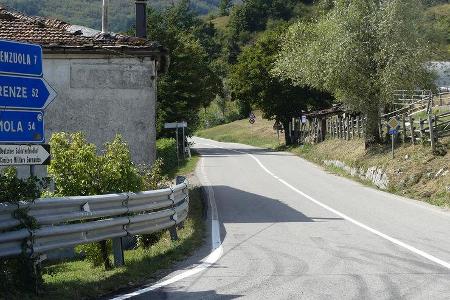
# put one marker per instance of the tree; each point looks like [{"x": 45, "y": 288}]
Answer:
[
  {"x": 360, "y": 51},
  {"x": 191, "y": 81},
  {"x": 250, "y": 82},
  {"x": 224, "y": 7}
]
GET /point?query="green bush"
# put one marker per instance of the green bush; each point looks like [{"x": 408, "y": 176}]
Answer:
[
  {"x": 94, "y": 252},
  {"x": 220, "y": 111},
  {"x": 166, "y": 149},
  {"x": 13, "y": 189},
  {"x": 19, "y": 273},
  {"x": 78, "y": 170},
  {"x": 154, "y": 179}
]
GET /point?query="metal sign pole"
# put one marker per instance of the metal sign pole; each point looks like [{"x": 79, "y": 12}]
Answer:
[
  {"x": 184, "y": 145},
  {"x": 178, "y": 150},
  {"x": 392, "y": 139}
]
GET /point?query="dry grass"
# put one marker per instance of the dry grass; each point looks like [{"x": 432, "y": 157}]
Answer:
[
  {"x": 260, "y": 134},
  {"x": 411, "y": 173}
]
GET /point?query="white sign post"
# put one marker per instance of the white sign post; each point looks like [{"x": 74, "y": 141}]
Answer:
[{"x": 21, "y": 155}]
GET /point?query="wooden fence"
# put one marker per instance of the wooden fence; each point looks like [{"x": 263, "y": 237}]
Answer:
[{"x": 412, "y": 129}]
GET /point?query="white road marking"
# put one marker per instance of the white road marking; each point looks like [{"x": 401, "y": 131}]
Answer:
[
  {"x": 344, "y": 216},
  {"x": 207, "y": 262}
]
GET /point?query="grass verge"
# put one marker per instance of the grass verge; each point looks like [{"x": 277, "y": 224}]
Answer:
[
  {"x": 260, "y": 134},
  {"x": 186, "y": 166}
]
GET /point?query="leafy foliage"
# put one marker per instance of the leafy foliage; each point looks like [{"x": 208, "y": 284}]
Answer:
[
  {"x": 220, "y": 111},
  {"x": 191, "y": 81},
  {"x": 77, "y": 170},
  {"x": 18, "y": 273},
  {"x": 166, "y": 150},
  {"x": 251, "y": 81},
  {"x": 360, "y": 51},
  {"x": 13, "y": 189}
]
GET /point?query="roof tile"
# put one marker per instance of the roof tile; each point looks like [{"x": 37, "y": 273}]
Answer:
[{"x": 53, "y": 32}]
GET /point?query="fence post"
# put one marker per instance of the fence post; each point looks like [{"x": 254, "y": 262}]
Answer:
[
  {"x": 352, "y": 122},
  {"x": 421, "y": 129},
  {"x": 403, "y": 129},
  {"x": 430, "y": 124},
  {"x": 118, "y": 252},
  {"x": 411, "y": 124},
  {"x": 339, "y": 129},
  {"x": 357, "y": 126}
]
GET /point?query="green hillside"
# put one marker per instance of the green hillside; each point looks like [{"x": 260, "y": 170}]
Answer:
[{"x": 88, "y": 12}]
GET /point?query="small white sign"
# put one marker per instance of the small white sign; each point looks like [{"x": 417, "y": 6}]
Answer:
[
  {"x": 19, "y": 155},
  {"x": 175, "y": 125},
  {"x": 304, "y": 119}
]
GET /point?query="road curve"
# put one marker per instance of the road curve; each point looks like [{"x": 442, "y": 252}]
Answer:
[{"x": 290, "y": 230}]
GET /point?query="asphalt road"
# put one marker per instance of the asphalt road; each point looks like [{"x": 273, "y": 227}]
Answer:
[{"x": 290, "y": 230}]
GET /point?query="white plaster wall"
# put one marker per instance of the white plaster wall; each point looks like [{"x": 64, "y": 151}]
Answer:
[{"x": 102, "y": 97}]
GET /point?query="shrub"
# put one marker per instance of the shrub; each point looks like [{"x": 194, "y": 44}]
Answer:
[
  {"x": 220, "y": 111},
  {"x": 19, "y": 273},
  {"x": 166, "y": 149},
  {"x": 13, "y": 189},
  {"x": 78, "y": 171},
  {"x": 94, "y": 252},
  {"x": 154, "y": 179}
]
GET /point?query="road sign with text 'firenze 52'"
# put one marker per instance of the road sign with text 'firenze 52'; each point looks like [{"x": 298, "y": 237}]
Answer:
[{"x": 25, "y": 93}]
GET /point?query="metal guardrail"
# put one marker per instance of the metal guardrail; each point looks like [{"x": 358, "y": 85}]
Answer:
[{"x": 70, "y": 221}]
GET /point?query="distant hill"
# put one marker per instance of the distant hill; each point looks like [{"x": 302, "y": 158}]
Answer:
[{"x": 88, "y": 12}]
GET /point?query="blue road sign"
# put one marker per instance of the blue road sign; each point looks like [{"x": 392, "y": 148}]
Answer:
[
  {"x": 393, "y": 131},
  {"x": 20, "y": 58},
  {"x": 21, "y": 126},
  {"x": 25, "y": 93}
]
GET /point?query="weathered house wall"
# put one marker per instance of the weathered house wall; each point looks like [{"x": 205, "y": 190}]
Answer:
[{"x": 103, "y": 97}]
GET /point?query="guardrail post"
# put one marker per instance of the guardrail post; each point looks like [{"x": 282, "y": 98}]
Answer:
[{"x": 118, "y": 252}]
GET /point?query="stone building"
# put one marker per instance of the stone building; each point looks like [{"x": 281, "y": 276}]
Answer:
[{"x": 106, "y": 83}]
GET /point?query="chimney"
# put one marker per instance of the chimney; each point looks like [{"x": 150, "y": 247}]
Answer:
[
  {"x": 141, "y": 18},
  {"x": 105, "y": 17}
]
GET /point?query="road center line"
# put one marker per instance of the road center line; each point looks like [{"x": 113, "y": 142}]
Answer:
[{"x": 344, "y": 216}]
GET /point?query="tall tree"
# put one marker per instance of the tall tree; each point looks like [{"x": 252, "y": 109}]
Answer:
[
  {"x": 360, "y": 51},
  {"x": 250, "y": 82},
  {"x": 224, "y": 7},
  {"x": 191, "y": 82}
]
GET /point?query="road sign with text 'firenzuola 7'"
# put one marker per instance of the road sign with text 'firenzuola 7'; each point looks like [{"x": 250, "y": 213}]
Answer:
[{"x": 20, "y": 58}]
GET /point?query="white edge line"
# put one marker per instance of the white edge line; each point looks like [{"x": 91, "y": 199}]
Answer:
[
  {"x": 211, "y": 259},
  {"x": 344, "y": 216}
]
